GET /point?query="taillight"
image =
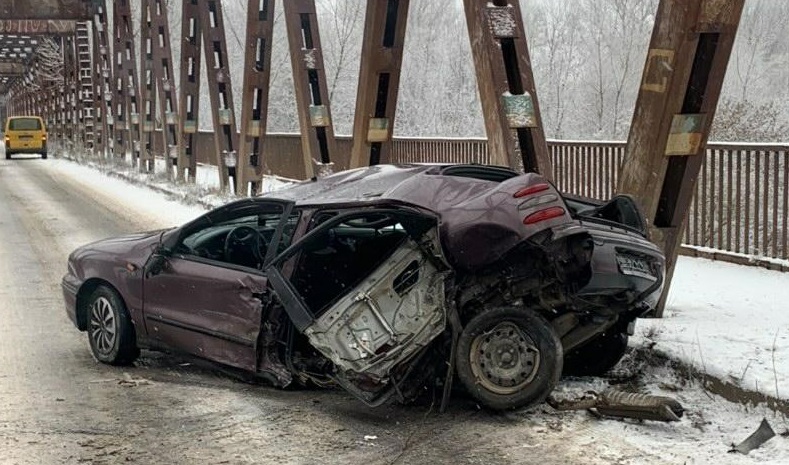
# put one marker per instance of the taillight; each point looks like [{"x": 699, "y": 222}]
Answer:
[
  {"x": 44, "y": 137},
  {"x": 543, "y": 215},
  {"x": 531, "y": 190}
]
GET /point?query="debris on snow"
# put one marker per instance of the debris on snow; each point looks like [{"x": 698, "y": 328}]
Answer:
[
  {"x": 615, "y": 403},
  {"x": 763, "y": 434}
]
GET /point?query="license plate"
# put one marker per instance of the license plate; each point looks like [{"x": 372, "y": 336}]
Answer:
[
  {"x": 25, "y": 137},
  {"x": 634, "y": 266}
]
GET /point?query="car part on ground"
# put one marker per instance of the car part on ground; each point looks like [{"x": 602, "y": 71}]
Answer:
[
  {"x": 763, "y": 434},
  {"x": 616, "y": 403}
]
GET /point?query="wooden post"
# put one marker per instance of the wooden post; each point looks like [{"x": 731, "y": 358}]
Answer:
[
  {"x": 683, "y": 75},
  {"x": 255, "y": 92},
  {"x": 506, "y": 86},
  {"x": 379, "y": 81},
  {"x": 191, "y": 50},
  {"x": 309, "y": 80}
]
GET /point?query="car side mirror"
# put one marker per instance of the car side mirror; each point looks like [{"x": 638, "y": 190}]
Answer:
[{"x": 157, "y": 262}]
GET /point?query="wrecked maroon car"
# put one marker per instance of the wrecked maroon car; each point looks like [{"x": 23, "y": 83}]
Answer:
[{"x": 383, "y": 280}]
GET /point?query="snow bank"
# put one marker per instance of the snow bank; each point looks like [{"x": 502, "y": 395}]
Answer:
[{"x": 730, "y": 321}]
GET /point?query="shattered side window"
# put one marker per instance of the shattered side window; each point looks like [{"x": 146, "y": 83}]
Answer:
[{"x": 341, "y": 257}]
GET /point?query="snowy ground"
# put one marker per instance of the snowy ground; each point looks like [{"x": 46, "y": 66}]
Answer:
[
  {"x": 731, "y": 321},
  {"x": 722, "y": 318}
]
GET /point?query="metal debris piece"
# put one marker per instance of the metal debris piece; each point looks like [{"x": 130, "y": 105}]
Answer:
[
  {"x": 129, "y": 381},
  {"x": 614, "y": 403},
  {"x": 763, "y": 434}
]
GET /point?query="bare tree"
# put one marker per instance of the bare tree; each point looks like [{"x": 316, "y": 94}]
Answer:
[{"x": 50, "y": 66}]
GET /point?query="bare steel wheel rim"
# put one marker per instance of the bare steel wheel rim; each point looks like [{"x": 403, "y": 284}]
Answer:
[
  {"x": 103, "y": 325},
  {"x": 505, "y": 359}
]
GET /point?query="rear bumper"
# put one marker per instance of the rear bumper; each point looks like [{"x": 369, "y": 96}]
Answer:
[
  {"x": 637, "y": 291},
  {"x": 70, "y": 286},
  {"x": 34, "y": 148}
]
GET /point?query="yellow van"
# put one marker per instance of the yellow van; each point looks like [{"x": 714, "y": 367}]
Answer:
[{"x": 25, "y": 134}]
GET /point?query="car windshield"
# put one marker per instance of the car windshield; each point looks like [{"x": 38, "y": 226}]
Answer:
[{"x": 24, "y": 124}]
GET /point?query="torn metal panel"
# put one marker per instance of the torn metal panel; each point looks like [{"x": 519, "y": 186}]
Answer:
[{"x": 393, "y": 313}]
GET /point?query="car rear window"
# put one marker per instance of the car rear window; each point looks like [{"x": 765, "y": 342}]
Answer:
[
  {"x": 24, "y": 124},
  {"x": 483, "y": 172}
]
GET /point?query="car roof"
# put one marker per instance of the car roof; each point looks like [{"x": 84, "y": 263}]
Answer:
[{"x": 409, "y": 183}]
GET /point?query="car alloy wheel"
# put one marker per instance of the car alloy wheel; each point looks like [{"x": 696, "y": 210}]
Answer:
[
  {"x": 103, "y": 325},
  {"x": 110, "y": 329}
]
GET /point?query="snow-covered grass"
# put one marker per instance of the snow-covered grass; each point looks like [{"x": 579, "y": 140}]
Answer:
[{"x": 730, "y": 321}]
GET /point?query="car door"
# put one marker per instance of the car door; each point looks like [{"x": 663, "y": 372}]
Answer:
[
  {"x": 199, "y": 301},
  {"x": 383, "y": 294}
]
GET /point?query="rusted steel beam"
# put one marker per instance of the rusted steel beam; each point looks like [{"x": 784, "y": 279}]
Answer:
[
  {"x": 102, "y": 82},
  {"x": 56, "y": 10},
  {"x": 379, "y": 81},
  {"x": 683, "y": 75},
  {"x": 164, "y": 76},
  {"x": 255, "y": 93},
  {"x": 189, "y": 111},
  {"x": 220, "y": 89},
  {"x": 126, "y": 61},
  {"x": 309, "y": 80},
  {"x": 147, "y": 91},
  {"x": 506, "y": 85},
  {"x": 37, "y": 26}
]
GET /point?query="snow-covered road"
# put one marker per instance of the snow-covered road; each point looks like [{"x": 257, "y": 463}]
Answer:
[{"x": 57, "y": 405}]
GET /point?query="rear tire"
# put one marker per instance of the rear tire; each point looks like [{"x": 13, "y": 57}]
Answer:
[
  {"x": 598, "y": 356},
  {"x": 8, "y": 155},
  {"x": 509, "y": 358},
  {"x": 110, "y": 330},
  {"x": 44, "y": 156}
]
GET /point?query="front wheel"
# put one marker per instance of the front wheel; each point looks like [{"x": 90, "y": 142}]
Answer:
[
  {"x": 508, "y": 358},
  {"x": 110, "y": 330}
]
